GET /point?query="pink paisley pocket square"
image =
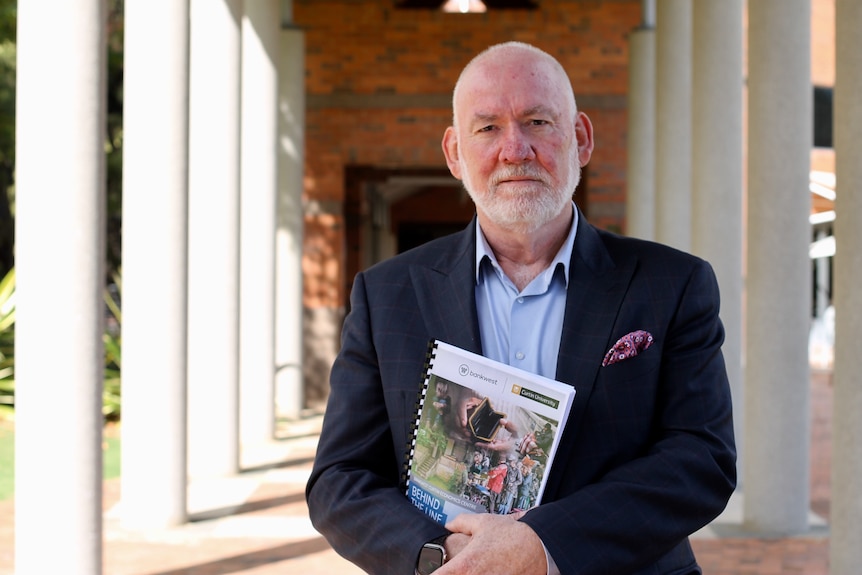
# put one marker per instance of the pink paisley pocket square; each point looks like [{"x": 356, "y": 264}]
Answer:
[{"x": 628, "y": 346}]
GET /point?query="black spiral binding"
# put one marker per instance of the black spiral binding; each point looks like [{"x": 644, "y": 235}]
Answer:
[{"x": 417, "y": 413}]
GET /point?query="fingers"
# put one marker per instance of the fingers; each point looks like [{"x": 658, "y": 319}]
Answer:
[
  {"x": 473, "y": 524},
  {"x": 463, "y": 523},
  {"x": 510, "y": 425},
  {"x": 465, "y": 406},
  {"x": 497, "y": 544}
]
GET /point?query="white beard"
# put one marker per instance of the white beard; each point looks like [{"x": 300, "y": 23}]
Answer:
[{"x": 526, "y": 207}]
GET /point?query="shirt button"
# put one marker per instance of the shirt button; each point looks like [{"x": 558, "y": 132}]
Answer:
[
  {"x": 519, "y": 355},
  {"x": 520, "y": 300}
]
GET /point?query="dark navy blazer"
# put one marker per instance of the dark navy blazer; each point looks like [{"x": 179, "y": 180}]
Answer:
[{"x": 646, "y": 458}]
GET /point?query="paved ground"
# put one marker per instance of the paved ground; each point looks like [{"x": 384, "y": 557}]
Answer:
[{"x": 257, "y": 524}]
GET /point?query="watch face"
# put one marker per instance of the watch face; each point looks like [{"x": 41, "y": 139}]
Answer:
[{"x": 430, "y": 559}]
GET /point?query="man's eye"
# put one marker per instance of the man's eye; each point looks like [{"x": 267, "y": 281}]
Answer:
[
  {"x": 485, "y": 129},
  {"x": 537, "y": 122}
]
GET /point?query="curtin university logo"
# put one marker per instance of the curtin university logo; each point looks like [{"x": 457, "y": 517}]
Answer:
[
  {"x": 464, "y": 369},
  {"x": 535, "y": 396}
]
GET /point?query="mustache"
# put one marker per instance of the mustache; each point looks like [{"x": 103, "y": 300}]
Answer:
[{"x": 513, "y": 172}]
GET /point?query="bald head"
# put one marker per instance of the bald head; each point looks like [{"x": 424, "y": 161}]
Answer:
[{"x": 488, "y": 67}]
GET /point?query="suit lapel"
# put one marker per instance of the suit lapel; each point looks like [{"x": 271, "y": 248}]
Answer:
[
  {"x": 597, "y": 285},
  {"x": 446, "y": 293}
]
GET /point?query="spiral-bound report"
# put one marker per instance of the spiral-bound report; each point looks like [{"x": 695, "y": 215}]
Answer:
[{"x": 484, "y": 436}]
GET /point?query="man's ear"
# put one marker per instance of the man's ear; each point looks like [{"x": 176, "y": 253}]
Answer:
[
  {"x": 584, "y": 136},
  {"x": 450, "y": 150}
]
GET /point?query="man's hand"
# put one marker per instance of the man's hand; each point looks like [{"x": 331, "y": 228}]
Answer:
[
  {"x": 497, "y": 544},
  {"x": 463, "y": 410},
  {"x": 507, "y": 435}
]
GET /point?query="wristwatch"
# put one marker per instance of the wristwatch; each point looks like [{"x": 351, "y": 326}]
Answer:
[{"x": 431, "y": 557}]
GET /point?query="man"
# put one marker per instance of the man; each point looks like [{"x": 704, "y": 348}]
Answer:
[
  {"x": 513, "y": 481},
  {"x": 647, "y": 456},
  {"x": 496, "y": 479}
]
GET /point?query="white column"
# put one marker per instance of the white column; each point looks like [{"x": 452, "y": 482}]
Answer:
[
  {"x": 214, "y": 148},
  {"x": 717, "y": 171},
  {"x": 60, "y": 243},
  {"x": 260, "y": 51},
  {"x": 289, "y": 234},
  {"x": 155, "y": 189},
  {"x": 846, "y": 516},
  {"x": 640, "y": 169},
  {"x": 777, "y": 418},
  {"x": 673, "y": 123}
]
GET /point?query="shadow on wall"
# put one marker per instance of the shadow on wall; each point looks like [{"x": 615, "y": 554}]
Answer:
[{"x": 322, "y": 329}]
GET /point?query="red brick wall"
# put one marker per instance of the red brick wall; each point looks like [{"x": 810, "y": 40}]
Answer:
[{"x": 378, "y": 86}]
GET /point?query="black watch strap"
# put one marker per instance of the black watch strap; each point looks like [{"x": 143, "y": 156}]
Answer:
[
  {"x": 440, "y": 540},
  {"x": 432, "y": 556}
]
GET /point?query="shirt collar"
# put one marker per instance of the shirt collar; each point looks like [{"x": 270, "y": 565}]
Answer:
[{"x": 563, "y": 257}]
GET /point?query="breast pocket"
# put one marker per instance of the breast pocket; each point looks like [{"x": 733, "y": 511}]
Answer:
[
  {"x": 636, "y": 367},
  {"x": 623, "y": 401}
]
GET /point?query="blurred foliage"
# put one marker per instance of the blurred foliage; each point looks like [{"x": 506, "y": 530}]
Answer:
[
  {"x": 113, "y": 133},
  {"x": 113, "y": 351},
  {"x": 8, "y": 19},
  {"x": 7, "y": 343},
  {"x": 112, "y": 339},
  {"x": 114, "y": 176}
]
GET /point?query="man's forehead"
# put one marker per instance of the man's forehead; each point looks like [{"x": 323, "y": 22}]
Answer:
[
  {"x": 494, "y": 100},
  {"x": 524, "y": 90}
]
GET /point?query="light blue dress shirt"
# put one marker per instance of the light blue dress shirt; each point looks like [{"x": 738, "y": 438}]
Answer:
[{"x": 522, "y": 329}]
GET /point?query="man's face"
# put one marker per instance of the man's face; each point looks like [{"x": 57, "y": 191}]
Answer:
[{"x": 516, "y": 143}]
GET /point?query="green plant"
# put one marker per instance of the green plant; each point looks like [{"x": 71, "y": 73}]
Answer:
[
  {"x": 7, "y": 342},
  {"x": 111, "y": 338},
  {"x": 8, "y": 52}
]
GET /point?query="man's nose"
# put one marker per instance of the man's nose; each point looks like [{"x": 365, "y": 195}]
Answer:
[{"x": 516, "y": 147}]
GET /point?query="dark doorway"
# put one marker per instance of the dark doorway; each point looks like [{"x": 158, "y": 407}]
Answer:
[
  {"x": 429, "y": 213},
  {"x": 388, "y": 211}
]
